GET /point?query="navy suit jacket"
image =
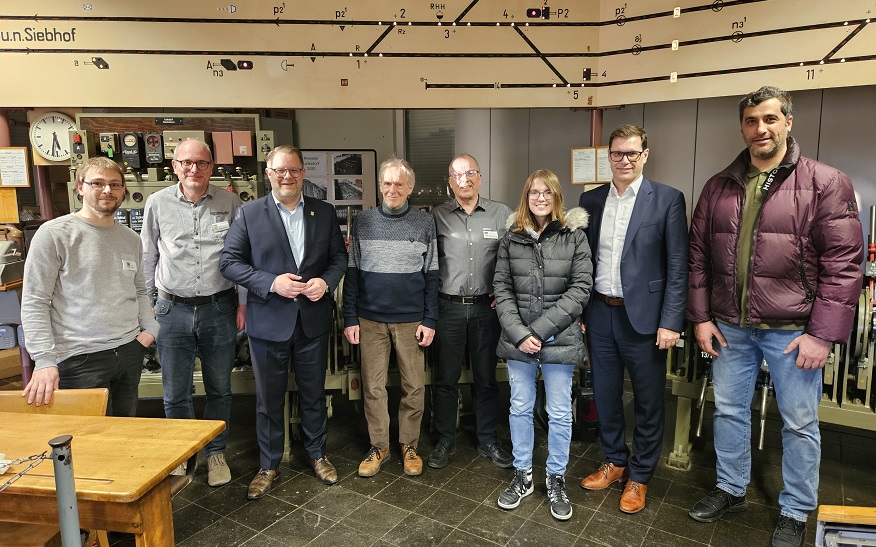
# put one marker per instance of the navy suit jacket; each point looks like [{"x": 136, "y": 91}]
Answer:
[
  {"x": 257, "y": 250},
  {"x": 654, "y": 258}
]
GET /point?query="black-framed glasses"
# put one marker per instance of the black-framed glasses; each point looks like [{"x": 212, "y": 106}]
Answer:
[
  {"x": 470, "y": 174},
  {"x": 282, "y": 171},
  {"x": 201, "y": 164},
  {"x": 100, "y": 185},
  {"x": 618, "y": 156},
  {"x": 534, "y": 194}
]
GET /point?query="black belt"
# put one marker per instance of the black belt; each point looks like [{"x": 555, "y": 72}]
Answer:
[
  {"x": 464, "y": 299},
  {"x": 610, "y": 300},
  {"x": 195, "y": 300}
]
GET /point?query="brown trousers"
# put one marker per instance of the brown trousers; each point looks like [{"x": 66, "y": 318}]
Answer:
[{"x": 376, "y": 340}]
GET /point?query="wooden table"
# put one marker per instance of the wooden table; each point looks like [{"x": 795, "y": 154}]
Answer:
[{"x": 120, "y": 465}]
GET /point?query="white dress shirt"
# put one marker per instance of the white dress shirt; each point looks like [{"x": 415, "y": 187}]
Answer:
[{"x": 612, "y": 234}]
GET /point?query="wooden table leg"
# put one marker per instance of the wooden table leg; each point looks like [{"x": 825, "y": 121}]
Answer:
[{"x": 157, "y": 512}]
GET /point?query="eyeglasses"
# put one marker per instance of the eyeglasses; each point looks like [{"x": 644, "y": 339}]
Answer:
[
  {"x": 534, "y": 194},
  {"x": 100, "y": 185},
  {"x": 282, "y": 172},
  {"x": 617, "y": 156},
  {"x": 470, "y": 174},
  {"x": 202, "y": 164}
]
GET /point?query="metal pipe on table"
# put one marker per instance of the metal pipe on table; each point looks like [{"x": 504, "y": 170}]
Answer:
[{"x": 65, "y": 490}]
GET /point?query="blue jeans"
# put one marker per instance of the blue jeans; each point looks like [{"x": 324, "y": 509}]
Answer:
[
  {"x": 798, "y": 392},
  {"x": 211, "y": 330},
  {"x": 558, "y": 395}
]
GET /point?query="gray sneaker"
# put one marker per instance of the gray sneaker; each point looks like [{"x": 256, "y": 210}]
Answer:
[
  {"x": 218, "y": 472},
  {"x": 520, "y": 487},
  {"x": 561, "y": 509}
]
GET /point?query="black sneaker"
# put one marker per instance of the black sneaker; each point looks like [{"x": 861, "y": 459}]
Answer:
[
  {"x": 561, "y": 509},
  {"x": 789, "y": 532},
  {"x": 520, "y": 487},
  {"x": 715, "y": 504},
  {"x": 440, "y": 456}
]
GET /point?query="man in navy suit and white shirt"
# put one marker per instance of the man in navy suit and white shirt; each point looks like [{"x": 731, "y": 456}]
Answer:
[
  {"x": 287, "y": 250},
  {"x": 638, "y": 237}
]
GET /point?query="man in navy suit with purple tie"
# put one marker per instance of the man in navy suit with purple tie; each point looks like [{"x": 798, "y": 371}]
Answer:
[{"x": 639, "y": 243}]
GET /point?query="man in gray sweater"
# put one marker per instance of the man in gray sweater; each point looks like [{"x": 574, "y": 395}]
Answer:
[{"x": 87, "y": 318}]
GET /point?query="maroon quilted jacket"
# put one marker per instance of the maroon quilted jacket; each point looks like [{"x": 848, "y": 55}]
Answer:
[{"x": 806, "y": 253}]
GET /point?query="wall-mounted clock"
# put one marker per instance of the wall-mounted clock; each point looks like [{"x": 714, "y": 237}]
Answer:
[{"x": 49, "y": 136}]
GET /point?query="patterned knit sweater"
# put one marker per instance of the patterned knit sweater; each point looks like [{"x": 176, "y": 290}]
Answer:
[{"x": 392, "y": 275}]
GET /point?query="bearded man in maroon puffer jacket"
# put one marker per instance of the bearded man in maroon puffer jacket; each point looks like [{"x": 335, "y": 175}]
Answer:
[{"x": 774, "y": 274}]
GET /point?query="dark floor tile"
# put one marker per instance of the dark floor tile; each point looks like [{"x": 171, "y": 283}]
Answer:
[
  {"x": 657, "y": 488},
  {"x": 417, "y": 530},
  {"x": 757, "y": 516},
  {"x": 684, "y": 495},
  {"x": 190, "y": 520},
  {"x": 677, "y": 522},
  {"x": 533, "y": 533},
  {"x": 402, "y": 492},
  {"x": 261, "y": 540},
  {"x": 446, "y": 507},
  {"x": 339, "y": 534},
  {"x": 659, "y": 538},
  {"x": 473, "y": 486},
  {"x": 259, "y": 514},
  {"x": 458, "y": 537},
  {"x": 369, "y": 486},
  {"x": 486, "y": 467},
  {"x": 225, "y": 499},
  {"x": 335, "y": 502},
  {"x": 298, "y": 527},
  {"x": 195, "y": 491},
  {"x": 178, "y": 503},
  {"x": 222, "y": 533},
  {"x": 581, "y": 467},
  {"x": 611, "y": 530},
  {"x": 731, "y": 534},
  {"x": 298, "y": 490},
  {"x": 588, "y": 542},
  {"x": 492, "y": 523},
  {"x": 575, "y": 525},
  {"x": 588, "y": 499},
  {"x": 375, "y": 518},
  {"x": 436, "y": 478}
]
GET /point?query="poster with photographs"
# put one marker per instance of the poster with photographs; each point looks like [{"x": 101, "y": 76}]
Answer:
[{"x": 343, "y": 178}]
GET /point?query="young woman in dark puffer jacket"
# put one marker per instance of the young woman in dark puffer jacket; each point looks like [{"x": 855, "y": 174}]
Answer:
[{"x": 542, "y": 283}]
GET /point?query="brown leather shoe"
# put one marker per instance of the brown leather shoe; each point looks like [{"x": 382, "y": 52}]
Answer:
[
  {"x": 372, "y": 462},
  {"x": 324, "y": 470},
  {"x": 633, "y": 498},
  {"x": 604, "y": 476},
  {"x": 261, "y": 483},
  {"x": 412, "y": 463}
]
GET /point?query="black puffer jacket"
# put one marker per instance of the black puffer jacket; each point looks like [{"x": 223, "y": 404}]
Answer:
[{"x": 541, "y": 288}]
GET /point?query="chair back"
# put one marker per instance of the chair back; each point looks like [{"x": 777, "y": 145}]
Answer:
[{"x": 68, "y": 402}]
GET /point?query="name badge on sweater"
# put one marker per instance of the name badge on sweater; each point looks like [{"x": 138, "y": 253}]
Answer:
[
  {"x": 129, "y": 265},
  {"x": 490, "y": 234},
  {"x": 220, "y": 227}
]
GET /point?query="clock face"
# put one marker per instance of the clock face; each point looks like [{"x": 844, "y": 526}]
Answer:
[{"x": 50, "y": 136}]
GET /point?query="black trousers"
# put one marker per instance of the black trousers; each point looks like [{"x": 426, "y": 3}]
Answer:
[
  {"x": 270, "y": 363},
  {"x": 472, "y": 329},
  {"x": 615, "y": 345}
]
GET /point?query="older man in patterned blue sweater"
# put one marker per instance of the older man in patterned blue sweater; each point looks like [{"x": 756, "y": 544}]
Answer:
[{"x": 391, "y": 301}]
